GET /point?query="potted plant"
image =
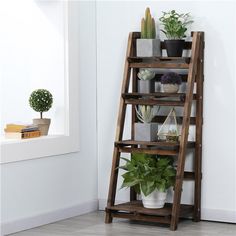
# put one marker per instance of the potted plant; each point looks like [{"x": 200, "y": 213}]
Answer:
[
  {"x": 170, "y": 82},
  {"x": 151, "y": 176},
  {"x": 146, "y": 130},
  {"x": 145, "y": 82},
  {"x": 175, "y": 26},
  {"x": 41, "y": 101},
  {"x": 148, "y": 45}
]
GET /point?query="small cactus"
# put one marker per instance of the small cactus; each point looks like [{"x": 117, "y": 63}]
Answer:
[{"x": 148, "y": 28}]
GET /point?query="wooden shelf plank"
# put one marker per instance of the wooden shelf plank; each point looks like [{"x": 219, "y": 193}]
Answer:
[
  {"x": 143, "y": 101},
  {"x": 159, "y": 59},
  {"x": 191, "y": 144},
  {"x": 164, "y": 65},
  {"x": 136, "y": 207},
  {"x": 148, "y": 151}
]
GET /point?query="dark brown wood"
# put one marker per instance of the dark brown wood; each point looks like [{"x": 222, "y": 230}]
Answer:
[
  {"x": 161, "y": 119},
  {"x": 160, "y": 59},
  {"x": 124, "y": 143},
  {"x": 171, "y": 213},
  {"x": 119, "y": 132},
  {"x": 148, "y": 151},
  {"x": 153, "y": 102},
  {"x": 137, "y": 207},
  {"x": 161, "y": 65},
  {"x": 199, "y": 123},
  {"x": 185, "y": 130}
]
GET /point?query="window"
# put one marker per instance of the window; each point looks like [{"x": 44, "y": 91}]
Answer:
[{"x": 36, "y": 54}]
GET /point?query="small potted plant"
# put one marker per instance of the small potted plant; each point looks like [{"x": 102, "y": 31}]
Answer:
[
  {"x": 146, "y": 130},
  {"x": 148, "y": 45},
  {"x": 151, "y": 176},
  {"x": 41, "y": 101},
  {"x": 170, "y": 82},
  {"x": 145, "y": 82},
  {"x": 175, "y": 27}
]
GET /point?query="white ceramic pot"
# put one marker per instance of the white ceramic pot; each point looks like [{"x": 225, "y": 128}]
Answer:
[
  {"x": 154, "y": 200},
  {"x": 43, "y": 125},
  {"x": 170, "y": 88}
]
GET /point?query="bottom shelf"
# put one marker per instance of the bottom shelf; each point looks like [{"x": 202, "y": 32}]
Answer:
[{"x": 134, "y": 210}]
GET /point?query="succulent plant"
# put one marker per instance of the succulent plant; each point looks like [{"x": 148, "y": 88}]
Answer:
[
  {"x": 146, "y": 74},
  {"x": 146, "y": 113},
  {"x": 171, "y": 78},
  {"x": 41, "y": 100},
  {"x": 148, "y": 28}
]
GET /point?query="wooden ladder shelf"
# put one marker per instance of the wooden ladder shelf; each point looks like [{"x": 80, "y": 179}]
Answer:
[{"x": 172, "y": 212}]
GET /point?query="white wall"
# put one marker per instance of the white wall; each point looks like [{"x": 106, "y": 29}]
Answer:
[
  {"x": 44, "y": 190},
  {"x": 115, "y": 19}
]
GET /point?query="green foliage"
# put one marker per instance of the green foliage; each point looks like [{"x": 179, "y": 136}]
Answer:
[
  {"x": 148, "y": 28},
  {"x": 41, "y": 100},
  {"x": 148, "y": 172},
  {"x": 175, "y": 25}
]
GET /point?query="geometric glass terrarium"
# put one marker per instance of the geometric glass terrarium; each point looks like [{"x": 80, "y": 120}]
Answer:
[{"x": 169, "y": 130}]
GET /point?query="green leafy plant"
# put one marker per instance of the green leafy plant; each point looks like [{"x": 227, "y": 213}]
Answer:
[
  {"x": 175, "y": 24},
  {"x": 147, "y": 172},
  {"x": 41, "y": 101},
  {"x": 148, "y": 27}
]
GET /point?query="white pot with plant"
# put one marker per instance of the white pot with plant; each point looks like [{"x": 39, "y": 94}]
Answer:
[
  {"x": 175, "y": 27},
  {"x": 41, "y": 101},
  {"x": 151, "y": 176},
  {"x": 170, "y": 82},
  {"x": 146, "y": 130},
  {"x": 146, "y": 84},
  {"x": 148, "y": 45}
]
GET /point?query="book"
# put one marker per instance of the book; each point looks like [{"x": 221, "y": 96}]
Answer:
[
  {"x": 22, "y": 135},
  {"x": 20, "y": 128}
]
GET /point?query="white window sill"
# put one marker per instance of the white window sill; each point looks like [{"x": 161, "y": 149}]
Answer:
[{"x": 13, "y": 150}]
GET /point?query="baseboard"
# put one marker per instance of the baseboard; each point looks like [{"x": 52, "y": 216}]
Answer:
[
  {"x": 48, "y": 217},
  {"x": 207, "y": 213}
]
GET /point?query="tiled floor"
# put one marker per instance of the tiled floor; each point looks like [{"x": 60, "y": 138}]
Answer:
[{"x": 93, "y": 225}]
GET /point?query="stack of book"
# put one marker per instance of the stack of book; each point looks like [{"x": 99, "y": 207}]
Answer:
[{"x": 18, "y": 131}]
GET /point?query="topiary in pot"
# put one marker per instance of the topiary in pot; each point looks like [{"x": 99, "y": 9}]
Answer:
[
  {"x": 170, "y": 82},
  {"x": 41, "y": 101}
]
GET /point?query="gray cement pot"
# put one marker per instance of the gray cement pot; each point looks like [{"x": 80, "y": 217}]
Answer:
[
  {"x": 148, "y": 47},
  {"x": 145, "y": 131},
  {"x": 43, "y": 125},
  {"x": 146, "y": 86}
]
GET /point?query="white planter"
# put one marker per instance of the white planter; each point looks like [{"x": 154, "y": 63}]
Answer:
[
  {"x": 170, "y": 88},
  {"x": 155, "y": 200}
]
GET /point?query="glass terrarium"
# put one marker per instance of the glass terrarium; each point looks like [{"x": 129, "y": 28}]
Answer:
[{"x": 169, "y": 131}]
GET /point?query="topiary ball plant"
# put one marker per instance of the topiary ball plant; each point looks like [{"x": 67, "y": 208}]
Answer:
[{"x": 41, "y": 101}]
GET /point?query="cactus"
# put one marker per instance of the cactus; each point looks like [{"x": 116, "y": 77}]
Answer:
[{"x": 148, "y": 28}]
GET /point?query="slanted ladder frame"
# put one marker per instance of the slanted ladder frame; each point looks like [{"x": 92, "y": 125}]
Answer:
[{"x": 196, "y": 61}]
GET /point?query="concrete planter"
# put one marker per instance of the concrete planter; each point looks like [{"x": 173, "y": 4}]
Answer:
[
  {"x": 156, "y": 199},
  {"x": 148, "y": 47},
  {"x": 43, "y": 125},
  {"x": 145, "y": 131},
  {"x": 146, "y": 86}
]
